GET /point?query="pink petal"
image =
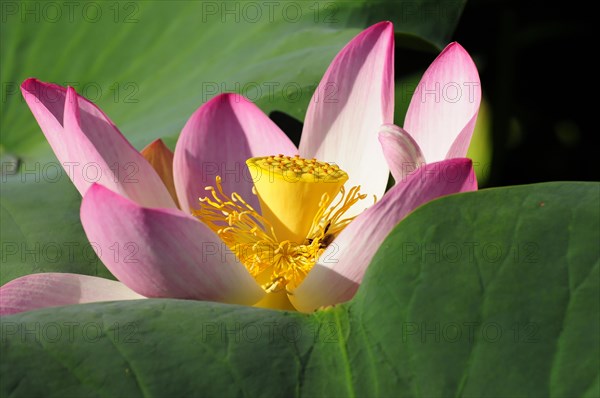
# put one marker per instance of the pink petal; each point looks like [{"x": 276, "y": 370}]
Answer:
[
  {"x": 90, "y": 147},
  {"x": 35, "y": 291},
  {"x": 355, "y": 97},
  {"x": 460, "y": 146},
  {"x": 402, "y": 153},
  {"x": 444, "y": 107},
  {"x": 217, "y": 140},
  {"x": 163, "y": 252},
  {"x": 341, "y": 268}
]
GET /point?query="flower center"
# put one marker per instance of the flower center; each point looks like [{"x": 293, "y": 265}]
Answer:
[
  {"x": 291, "y": 191},
  {"x": 281, "y": 244}
]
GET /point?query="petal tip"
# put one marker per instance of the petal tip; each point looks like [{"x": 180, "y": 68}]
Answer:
[
  {"x": 389, "y": 129},
  {"x": 467, "y": 162},
  {"x": 464, "y": 166},
  {"x": 71, "y": 114},
  {"x": 464, "y": 163},
  {"x": 156, "y": 144},
  {"x": 380, "y": 29},
  {"x": 456, "y": 49},
  {"x": 91, "y": 196},
  {"x": 34, "y": 86},
  {"x": 388, "y": 25},
  {"x": 228, "y": 98},
  {"x": 72, "y": 97},
  {"x": 29, "y": 83}
]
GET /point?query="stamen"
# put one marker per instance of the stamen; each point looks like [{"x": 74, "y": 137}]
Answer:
[
  {"x": 274, "y": 262},
  {"x": 327, "y": 224}
]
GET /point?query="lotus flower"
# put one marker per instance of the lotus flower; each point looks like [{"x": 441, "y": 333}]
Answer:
[{"x": 296, "y": 234}]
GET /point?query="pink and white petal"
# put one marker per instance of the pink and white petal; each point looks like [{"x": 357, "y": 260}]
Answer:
[
  {"x": 340, "y": 270},
  {"x": 445, "y": 105},
  {"x": 401, "y": 152},
  {"x": 31, "y": 292},
  {"x": 460, "y": 146},
  {"x": 217, "y": 140},
  {"x": 90, "y": 147},
  {"x": 354, "y": 98},
  {"x": 163, "y": 252}
]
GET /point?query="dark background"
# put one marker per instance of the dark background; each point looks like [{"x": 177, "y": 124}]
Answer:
[{"x": 537, "y": 75}]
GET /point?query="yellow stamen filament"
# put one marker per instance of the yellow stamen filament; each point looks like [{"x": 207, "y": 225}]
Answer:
[
  {"x": 273, "y": 259},
  {"x": 327, "y": 220}
]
